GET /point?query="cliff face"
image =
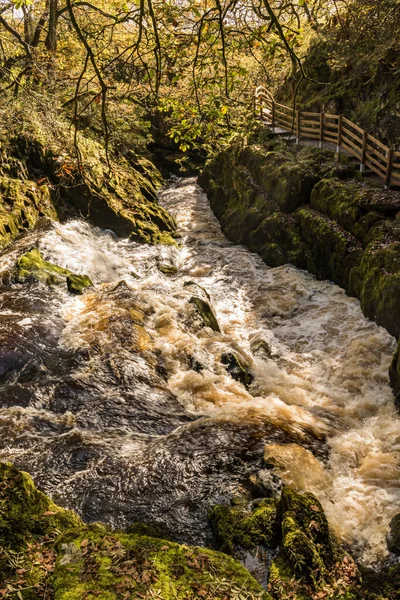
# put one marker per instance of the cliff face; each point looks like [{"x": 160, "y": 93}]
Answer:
[
  {"x": 40, "y": 176},
  {"x": 305, "y": 209}
]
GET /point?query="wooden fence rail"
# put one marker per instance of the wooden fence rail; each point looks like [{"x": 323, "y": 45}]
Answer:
[{"x": 335, "y": 129}]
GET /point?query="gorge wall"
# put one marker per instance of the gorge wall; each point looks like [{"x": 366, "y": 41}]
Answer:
[{"x": 300, "y": 206}]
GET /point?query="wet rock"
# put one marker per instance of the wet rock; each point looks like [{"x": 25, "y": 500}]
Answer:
[
  {"x": 393, "y": 537},
  {"x": 261, "y": 349},
  {"x": 237, "y": 370},
  {"x": 206, "y": 313},
  {"x": 77, "y": 284},
  {"x": 197, "y": 289},
  {"x": 32, "y": 267},
  {"x": 196, "y": 365},
  {"x": 168, "y": 270},
  {"x": 394, "y": 374}
]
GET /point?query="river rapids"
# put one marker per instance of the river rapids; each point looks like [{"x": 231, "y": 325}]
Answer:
[{"x": 118, "y": 403}]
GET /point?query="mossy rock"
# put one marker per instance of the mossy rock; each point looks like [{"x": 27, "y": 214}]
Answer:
[
  {"x": 32, "y": 267},
  {"x": 47, "y": 552},
  {"x": 237, "y": 369},
  {"x": 109, "y": 565},
  {"x": 335, "y": 252},
  {"x": 22, "y": 204},
  {"x": 376, "y": 282},
  {"x": 206, "y": 313},
  {"x": 77, "y": 284},
  {"x": 29, "y": 524},
  {"x": 238, "y": 528},
  {"x": 394, "y": 374},
  {"x": 168, "y": 270},
  {"x": 306, "y": 541},
  {"x": 306, "y": 558},
  {"x": 393, "y": 537}
]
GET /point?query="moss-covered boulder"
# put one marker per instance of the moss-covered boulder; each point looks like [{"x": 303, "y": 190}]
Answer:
[
  {"x": 29, "y": 525},
  {"x": 168, "y": 270},
  {"x": 94, "y": 562},
  {"x": 32, "y": 267},
  {"x": 77, "y": 284},
  {"x": 306, "y": 560},
  {"x": 46, "y": 552},
  {"x": 238, "y": 527}
]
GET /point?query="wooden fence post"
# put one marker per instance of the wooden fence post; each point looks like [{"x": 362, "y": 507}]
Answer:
[
  {"x": 298, "y": 123},
  {"x": 389, "y": 166},
  {"x": 321, "y": 129},
  {"x": 364, "y": 151},
  {"x": 340, "y": 133}
]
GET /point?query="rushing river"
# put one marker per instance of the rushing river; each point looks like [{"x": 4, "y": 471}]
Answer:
[{"x": 118, "y": 404}]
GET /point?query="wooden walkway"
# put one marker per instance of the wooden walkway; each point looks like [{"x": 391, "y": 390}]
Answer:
[{"x": 334, "y": 129}]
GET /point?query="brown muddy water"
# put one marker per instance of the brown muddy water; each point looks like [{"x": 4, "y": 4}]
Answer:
[{"x": 119, "y": 405}]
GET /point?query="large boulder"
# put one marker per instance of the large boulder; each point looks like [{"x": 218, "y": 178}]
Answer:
[{"x": 47, "y": 552}]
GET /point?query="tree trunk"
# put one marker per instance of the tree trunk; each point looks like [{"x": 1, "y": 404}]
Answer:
[{"x": 51, "y": 40}]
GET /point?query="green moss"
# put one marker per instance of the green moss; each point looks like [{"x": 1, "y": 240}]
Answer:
[
  {"x": 206, "y": 313},
  {"x": 32, "y": 267},
  {"x": 22, "y": 204},
  {"x": 334, "y": 251},
  {"x": 340, "y": 201},
  {"x": 309, "y": 558},
  {"x": 110, "y": 565},
  {"x": 78, "y": 283},
  {"x": 278, "y": 241},
  {"x": 168, "y": 270},
  {"x": 29, "y": 524},
  {"x": 46, "y": 551},
  {"x": 376, "y": 282},
  {"x": 306, "y": 541},
  {"x": 235, "y": 527}
]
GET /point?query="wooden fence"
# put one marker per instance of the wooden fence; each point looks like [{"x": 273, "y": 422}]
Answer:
[{"x": 336, "y": 129}]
